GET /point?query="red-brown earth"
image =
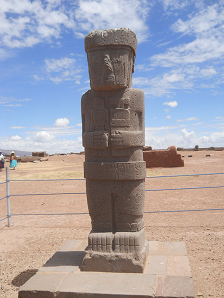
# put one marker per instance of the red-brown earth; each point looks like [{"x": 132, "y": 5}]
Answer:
[{"x": 33, "y": 239}]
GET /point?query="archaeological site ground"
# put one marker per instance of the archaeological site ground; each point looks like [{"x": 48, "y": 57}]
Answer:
[{"x": 33, "y": 239}]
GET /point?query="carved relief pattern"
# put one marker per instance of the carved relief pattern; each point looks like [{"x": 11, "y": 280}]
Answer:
[{"x": 113, "y": 137}]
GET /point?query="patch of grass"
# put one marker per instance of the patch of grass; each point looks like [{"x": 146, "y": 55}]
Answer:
[
  {"x": 54, "y": 175},
  {"x": 153, "y": 172}
]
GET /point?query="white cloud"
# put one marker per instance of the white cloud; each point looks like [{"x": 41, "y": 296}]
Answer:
[
  {"x": 218, "y": 137},
  {"x": 57, "y": 65},
  {"x": 163, "y": 84},
  {"x": 141, "y": 81},
  {"x": 188, "y": 119},
  {"x": 63, "y": 69},
  {"x": 38, "y": 78},
  {"x": 205, "y": 20},
  {"x": 142, "y": 67},
  {"x": 43, "y": 136},
  {"x": 18, "y": 127},
  {"x": 174, "y": 4},
  {"x": 160, "y": 138},
  {"x": 104, "y": 14},
  {"x": 188, "y": 77},
  {"x": 61, "y": 122},
  {"x": 12, "y": 102},
  {"x": 168, "y": 117},
  {"x": 4, "y": 54},
  {"x": 15, "y": 138},
  {"x": 26, "y": 23},
  {"x": 188, "y": 135},
  {"x": 197, "y": 51},
  {"x": 60, "y": 129},
  {"x": 161, "y": 128},
  {"x": 171, "y": 104},
  {"x": 173, "y": 77},
  {"x": 207, "y": 28},
  {"x": 207, "y": 72},
  {"x": 56, "y": 80},
  {"x": 52, "y": 146}
]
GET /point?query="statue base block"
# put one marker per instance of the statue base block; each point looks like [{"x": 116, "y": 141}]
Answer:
[
  {"x": 116, "y": 262},
  {"x": 166, "y": 274}
]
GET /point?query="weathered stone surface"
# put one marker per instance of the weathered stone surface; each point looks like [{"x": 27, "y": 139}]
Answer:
[
  {"x": 178, "y": 265},
  {"x": 163, "y": 158},
  {"x": 183, "y": 287},
  {"x": 157, "y": 264},
  {"x": 159, "y": 279},
  {"x": 41, "y": 285},
  {"x": 130, "y": 260},
  {"x": 113, "y": 137}
]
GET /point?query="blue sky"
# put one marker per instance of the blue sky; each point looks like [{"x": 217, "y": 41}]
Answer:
[{"x": 44, "y": 71}]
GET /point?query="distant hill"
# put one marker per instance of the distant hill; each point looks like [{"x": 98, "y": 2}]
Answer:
[{"x": 17, "y": 152}]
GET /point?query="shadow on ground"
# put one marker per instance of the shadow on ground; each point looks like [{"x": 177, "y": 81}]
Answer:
[{"x": 23, "y": 277}]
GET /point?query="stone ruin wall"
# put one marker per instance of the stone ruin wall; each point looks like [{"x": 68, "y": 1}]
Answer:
[{"x": 162, "y": 158}]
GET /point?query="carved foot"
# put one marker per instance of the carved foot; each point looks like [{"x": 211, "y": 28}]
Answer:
[
  {"x": 120, "y": 242},
  {"x": 101, "y": 242},
  {"x": 129, "y": 242}
]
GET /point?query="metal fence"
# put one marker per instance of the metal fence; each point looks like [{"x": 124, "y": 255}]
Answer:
[{"x": 8, "y": 196}]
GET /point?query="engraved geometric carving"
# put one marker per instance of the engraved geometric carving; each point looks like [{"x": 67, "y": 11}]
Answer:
[{"x": 113, "y": 137}]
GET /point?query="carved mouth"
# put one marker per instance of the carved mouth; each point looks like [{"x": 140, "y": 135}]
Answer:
[{"x": 110, "y": 79}]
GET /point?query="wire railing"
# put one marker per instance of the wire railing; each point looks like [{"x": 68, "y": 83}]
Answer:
[
  {"x": 185, "y": 175},
  {"x": 8, "y": 195}
]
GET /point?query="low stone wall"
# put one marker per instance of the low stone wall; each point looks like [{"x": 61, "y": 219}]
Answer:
[
  {"x": 163, "y": 158},
  {"x": 31, "y": 159},
  {"x": 40, "y": 154}
]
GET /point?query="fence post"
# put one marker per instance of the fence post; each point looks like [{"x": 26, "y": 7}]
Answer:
[{"x": 8, "y": 197}]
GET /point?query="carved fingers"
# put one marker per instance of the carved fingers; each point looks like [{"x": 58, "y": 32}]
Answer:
[
  {"x": 126, "y": 139},
  {"x": 95, "y": 140}
]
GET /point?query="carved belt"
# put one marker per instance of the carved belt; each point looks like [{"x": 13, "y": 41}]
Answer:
[{"x": 115, "y": 170}]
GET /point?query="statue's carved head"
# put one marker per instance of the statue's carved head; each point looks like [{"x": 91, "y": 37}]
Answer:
[{"x": 111, "y": 55}]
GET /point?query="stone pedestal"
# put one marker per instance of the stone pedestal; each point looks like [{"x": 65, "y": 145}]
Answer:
[{"x": 167, "y": 274}]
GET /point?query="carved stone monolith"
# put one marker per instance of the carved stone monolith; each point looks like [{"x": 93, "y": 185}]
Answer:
[{"x": 113, "y": 137}]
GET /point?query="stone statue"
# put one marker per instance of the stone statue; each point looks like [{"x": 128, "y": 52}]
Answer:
[{"x": 113, "y": 137}]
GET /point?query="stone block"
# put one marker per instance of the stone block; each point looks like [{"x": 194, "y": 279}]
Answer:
[
  {"x": 178, "y": 266},
  {"x": 108, "y": 285},
  {"x": 178, "y": 287},
  {"x": 174, "y": 248},
  {"x": 42, "y": 285},
  {"x": 166, "y": 275},
  {"x": 153, "y": 246},
  {"x": 70, "y": 245},
  {"x": 157, "y": 265}
]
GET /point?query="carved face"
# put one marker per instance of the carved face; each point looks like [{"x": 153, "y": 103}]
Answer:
[{"x": 110, "y": 68}]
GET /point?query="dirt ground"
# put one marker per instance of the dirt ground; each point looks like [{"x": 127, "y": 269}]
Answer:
[{"x": 35, "y": 235}]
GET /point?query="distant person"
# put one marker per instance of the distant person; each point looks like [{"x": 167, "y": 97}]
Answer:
[
  {"x": 2, "y": 161},
  {"x": 13, "y": 160}
]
